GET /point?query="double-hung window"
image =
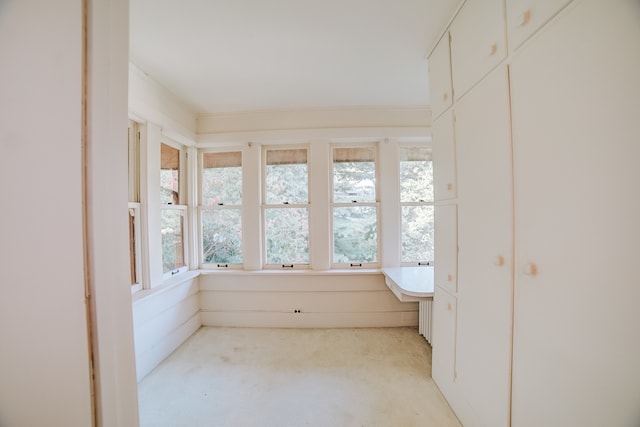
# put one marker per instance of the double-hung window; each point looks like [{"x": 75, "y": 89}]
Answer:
[
  {"x": 172, "y": 210},
  {"x": 135, "y": 257},
  {"x": 416, "y": 201},
  {"x": 221, "y": 209},
  {"x": 355, "y": 207},
  {"x": 286, "y": 208}
]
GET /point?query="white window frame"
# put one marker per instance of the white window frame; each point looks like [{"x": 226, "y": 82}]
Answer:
[
  {"x": 181, "y": 206},
  {"x": 266, "y": 206},
  {"x": 418, "y": 203},
  {"x": 134, "y": 200},
  {"x": 134, "y": 212},
  {"x": 202, "y": 208},
  {"x": 376, "y": 205}
]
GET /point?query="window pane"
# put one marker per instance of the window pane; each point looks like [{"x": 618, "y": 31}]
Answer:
[
  {"x": 222, "y": 179},
  {"x": 416, "y": 175},
  {"x": 222, "y": 236},
  {"x": 286, "y": 177},
  {"x": 354, "y": 175},
  {"x": 171, "y": 227},
  {"x": 355, "y": 234},
  {"x": 169, "y": 175},
  {"x": 287, "y": 235},
  {"x": 417, "y": 233}
]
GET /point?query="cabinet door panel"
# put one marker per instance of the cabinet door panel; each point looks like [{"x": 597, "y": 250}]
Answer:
[
  {"x": 525, "y": 17},
  {"x": 576, "y": 110},
  {"x": 446, "y": 242},
  {"x": 440, "y": 76},
  {"x": 444, "y": 158},
  {"x": 444, "y": 340},
  {"x": 485, "y": 247},
  {"x": 477, "y": 42}
]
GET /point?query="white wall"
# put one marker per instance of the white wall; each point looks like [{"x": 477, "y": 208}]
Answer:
[
  {"x": 149, "y": 101},
  {"x": 44, "y": 369},
  {"x": 49, "y": 262},
  {"x": 314, "y": 124}
]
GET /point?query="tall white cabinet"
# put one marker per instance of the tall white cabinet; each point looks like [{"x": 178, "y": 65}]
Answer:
[{"x": 538, "y": 236}]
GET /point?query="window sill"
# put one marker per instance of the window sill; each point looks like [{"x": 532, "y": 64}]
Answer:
[
  {"x": 337, "y": 272},
  {"x": 165, "y": 286}
]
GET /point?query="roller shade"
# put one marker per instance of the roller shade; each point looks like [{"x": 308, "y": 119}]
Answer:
[
  {"x": 169, "y": 157},
  {"x": 360, "y": 154},
  {"x": 287, "y": 157},
  {"x": 415, "y": 154},
  {"x": 222, "y": 160}
]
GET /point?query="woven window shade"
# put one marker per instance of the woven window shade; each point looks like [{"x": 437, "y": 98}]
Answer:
[
  {"x": 415, "y": 154},
  {"x": 222, "y": 160},
  {"x": 362, "y": 154},
  {"x": 169, "y": 157},
  {"x": 287, "y": 157}
]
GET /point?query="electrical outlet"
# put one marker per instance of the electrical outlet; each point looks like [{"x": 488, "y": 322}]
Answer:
[{"x": 297, "y": 310}]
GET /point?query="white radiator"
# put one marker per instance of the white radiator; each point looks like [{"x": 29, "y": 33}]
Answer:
[{"x": 424, "y": 319}]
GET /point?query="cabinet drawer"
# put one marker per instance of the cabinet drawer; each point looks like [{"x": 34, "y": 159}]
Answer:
[
  {"x": 446, "y": 244},
  {"x": 440, "y": 76},
  {"x": 525, "y": 17},
  {"x": 477, "y": 42},
  {"x": 444, "y": 158}
]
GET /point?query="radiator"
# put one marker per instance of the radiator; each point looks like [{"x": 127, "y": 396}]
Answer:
[{"x": 424, "y": 319}]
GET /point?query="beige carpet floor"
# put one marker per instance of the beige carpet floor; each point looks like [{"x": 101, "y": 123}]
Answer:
[{"x": 241, "y": 377}]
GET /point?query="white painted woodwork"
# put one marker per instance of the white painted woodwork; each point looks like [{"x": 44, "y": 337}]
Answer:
[
  {"x": 441, "y": 91},
  {"x": 484, "y": 232},
  {"x": 251, "y": 207},
  {"x": 390, "y": 223},
  {"x": 319, "y": 208},
  {"x": 410, "y": 283},
  {"x": 444, "y": 158},
  {"x": 446, "y": 244},
  {"x": 106, "y": 190},
  {"x": 150, "y": 141},
  {"x": 478, "y": 42},
  {"x": 326, "y": 299},
  {"x": 163, "y": 318},
  {"x": 444, "y": 341},
  {"x": 43, "y": 327},
  {"x": 576, "y": 104},
  {"x": 525, "y": 17}
]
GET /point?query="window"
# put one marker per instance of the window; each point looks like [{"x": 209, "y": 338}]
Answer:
[
  {"x": 221, "y": 209},
  {"x": 172, "y": 211},
  {"x": 286, "y": 212},
  {"x": 355, "y": 208},
  {"x": 416, "y": 201},
  {"x": 135, "y": 264}
]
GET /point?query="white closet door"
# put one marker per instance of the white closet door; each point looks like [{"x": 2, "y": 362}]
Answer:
[
  {"x": 444, "y": 158},
  {"x": 576, "y": 133},
  {"x": 478, "y": 42},
  {"x": 440, "y": 76},
  {"x": 485, "y": 246}
]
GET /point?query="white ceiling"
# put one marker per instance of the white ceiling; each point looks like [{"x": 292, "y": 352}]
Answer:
[{"x": 245, "y": 55}]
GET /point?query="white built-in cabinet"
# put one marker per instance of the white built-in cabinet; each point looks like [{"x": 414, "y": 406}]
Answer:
[
  {"x": 444, "y": 155},
  {"x": 440, "y": 74},
  {"x": 540, "y": 228},
  {"x": 485, "y": 252},
  {"x": 525, "y": 17},
  {"x": 478, "y": 42}
]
